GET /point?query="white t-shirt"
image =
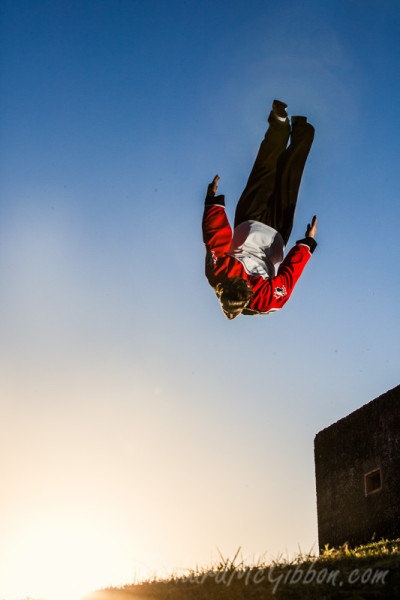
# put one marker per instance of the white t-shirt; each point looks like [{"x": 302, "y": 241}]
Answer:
[{"x": 258, "y": 247}]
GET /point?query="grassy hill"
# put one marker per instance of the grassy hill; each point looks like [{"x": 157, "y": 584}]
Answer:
[{"x": 366, "y": 572}]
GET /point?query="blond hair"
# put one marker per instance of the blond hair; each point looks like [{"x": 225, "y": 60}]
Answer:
[{"x": 233, "y": 293}]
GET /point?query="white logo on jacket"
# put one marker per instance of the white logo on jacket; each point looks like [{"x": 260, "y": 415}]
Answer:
[
  {"x": 211, "y": 259},
  {"x": 280, "y": 292}
]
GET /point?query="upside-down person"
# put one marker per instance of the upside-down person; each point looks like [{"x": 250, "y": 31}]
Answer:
[{"x": 247, "y": 270}]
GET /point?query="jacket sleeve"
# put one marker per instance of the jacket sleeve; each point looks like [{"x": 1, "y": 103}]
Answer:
[
  {"x": 294, "y": 263},
  {"x": 274, "y": 293},
  {"x": 217, "y": 233}
]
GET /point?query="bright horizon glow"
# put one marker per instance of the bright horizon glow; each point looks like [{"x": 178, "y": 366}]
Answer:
[{"x": 59, "y": 560}]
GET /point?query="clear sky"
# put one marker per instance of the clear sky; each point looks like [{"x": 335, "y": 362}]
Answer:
[{"x": 141, "y": 430}]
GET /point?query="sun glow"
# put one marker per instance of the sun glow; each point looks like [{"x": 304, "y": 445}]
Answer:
[{"x": 60, "y": 557}]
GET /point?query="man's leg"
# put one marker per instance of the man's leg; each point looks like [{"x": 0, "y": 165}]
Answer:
[
  {"x": 254, "y": 202},
  {"x": 289, "y": 172}
]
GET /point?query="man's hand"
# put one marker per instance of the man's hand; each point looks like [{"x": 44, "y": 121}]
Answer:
[
  {"x": 312, "y": 229},
  {"x": 213, "y": 186}
]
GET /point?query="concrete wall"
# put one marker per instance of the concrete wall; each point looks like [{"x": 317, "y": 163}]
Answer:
[{"x": 351, "y": 509}]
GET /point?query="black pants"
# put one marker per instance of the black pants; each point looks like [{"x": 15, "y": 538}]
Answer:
[{"x": 270, "y": 195}]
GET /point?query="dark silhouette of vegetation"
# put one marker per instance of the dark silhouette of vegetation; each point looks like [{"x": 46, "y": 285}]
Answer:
[{"x": 369, "y": 572}]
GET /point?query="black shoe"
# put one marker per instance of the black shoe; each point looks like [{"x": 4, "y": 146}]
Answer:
[
  {"x": 298, "y": 121},
  {"x": 279, "y": 109}
]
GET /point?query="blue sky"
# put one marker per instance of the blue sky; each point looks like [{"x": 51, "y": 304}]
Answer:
[{"x": 138, "y": 424}]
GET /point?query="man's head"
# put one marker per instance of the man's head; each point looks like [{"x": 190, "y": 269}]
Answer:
[{"x": 234, "y": 295}]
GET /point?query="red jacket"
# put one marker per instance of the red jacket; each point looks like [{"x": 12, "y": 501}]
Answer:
[{"x": 269, "y": 294}]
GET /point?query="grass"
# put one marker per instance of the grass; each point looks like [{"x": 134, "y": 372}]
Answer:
[{"x": 364, "y": 573}]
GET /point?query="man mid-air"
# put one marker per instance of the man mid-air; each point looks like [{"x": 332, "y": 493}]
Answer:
[{"x": 247, "y": 270}]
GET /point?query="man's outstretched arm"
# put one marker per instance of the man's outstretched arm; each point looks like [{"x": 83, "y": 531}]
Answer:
[
  {"x": 217, "y": 233},
  {"x": 212, "y": 187},
  {"x": 309, "y": 239},
  {"x": 294, "y": 263},
  {"x": 274, "y": 293}
]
